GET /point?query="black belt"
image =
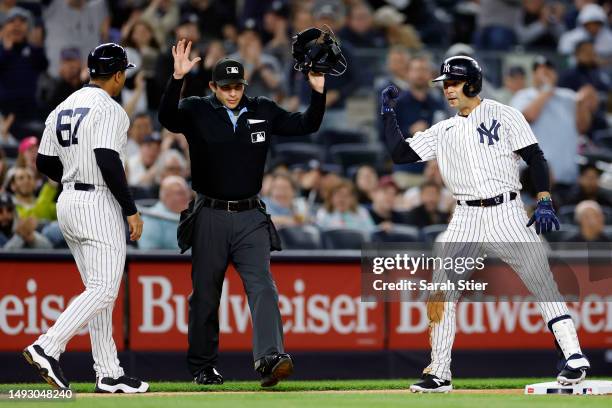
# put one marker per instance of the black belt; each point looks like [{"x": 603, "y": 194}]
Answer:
[
  {"x": 84, "y": 187},
  {"x": 488, "y": 202},
  {"x": 231, "y": 206}
]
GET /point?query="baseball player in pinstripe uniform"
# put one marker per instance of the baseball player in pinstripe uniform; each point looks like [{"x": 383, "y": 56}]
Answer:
[
  {"x": 83, "y": 147},
  {"x": 478, "y": 152}
]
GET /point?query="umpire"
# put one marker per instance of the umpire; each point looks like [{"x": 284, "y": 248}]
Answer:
[{"x": 229, "y": 135}]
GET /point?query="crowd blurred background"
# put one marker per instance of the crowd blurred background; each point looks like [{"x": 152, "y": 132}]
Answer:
[{"x": 337, "y": 188}]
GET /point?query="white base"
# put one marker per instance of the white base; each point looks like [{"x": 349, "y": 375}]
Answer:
[{"x": 588, "y": 387}]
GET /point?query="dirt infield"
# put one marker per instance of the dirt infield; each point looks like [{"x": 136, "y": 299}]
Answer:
[{"x": 408, "y": 392}]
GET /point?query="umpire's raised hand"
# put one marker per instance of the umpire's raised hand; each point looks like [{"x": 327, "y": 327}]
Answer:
[{"x": 182, "y": 64}]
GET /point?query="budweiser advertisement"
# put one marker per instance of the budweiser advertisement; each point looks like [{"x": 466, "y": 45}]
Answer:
[{"x": 32, "y": 296}]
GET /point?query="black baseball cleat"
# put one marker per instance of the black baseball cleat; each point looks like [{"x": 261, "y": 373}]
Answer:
[
  {"x": 273, "y": 368},
  {"x": 48, "y": 367},
  {"x": 430, "y": 383},
  {"x": 123, "y": 384},
  {"x": 574, "y": 370},
  {"x": 209, "y": 376}
]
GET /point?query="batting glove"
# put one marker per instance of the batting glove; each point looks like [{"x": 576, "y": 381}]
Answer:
[
  {"x": 544, "y": 217},
  {"x": 389, "y": 99}
]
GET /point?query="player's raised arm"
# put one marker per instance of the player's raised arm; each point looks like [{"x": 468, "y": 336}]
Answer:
[{"x": 400, "y": 151}]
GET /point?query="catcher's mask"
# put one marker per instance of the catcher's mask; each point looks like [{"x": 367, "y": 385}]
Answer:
[{"x": 318, "y": 51}]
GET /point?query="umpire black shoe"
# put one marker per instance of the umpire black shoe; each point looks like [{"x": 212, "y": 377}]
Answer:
[
  {"x": 431, "y": 383},
  {"x": 273, "y": 368},
  {"x": 123, "y": 384},
  {"x": 208, "y": 376},
  {"x": 48, "y": 367},
  {"x": 574, "y": 370}
]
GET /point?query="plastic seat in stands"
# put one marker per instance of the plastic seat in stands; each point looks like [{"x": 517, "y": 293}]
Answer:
[
  {"x": 343, "y": 238},
  {"x": 351, "y": 154},
  {"x": 399, "y": 233},
  {"x": 300, "y": 237},
  {"x": 430, "y": 232},
  {"x": 331, "y": 137},
  {"x": 294, "y": 153}
]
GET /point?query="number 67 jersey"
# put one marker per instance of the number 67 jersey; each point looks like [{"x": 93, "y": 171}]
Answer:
[{"x": 88, "y": 119}]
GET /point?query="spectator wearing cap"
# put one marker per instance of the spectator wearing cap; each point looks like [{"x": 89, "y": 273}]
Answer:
[
  {"x": 52, "y": 91},
  {"x": 26, "y": 157},
  {"x": 163, "y": 217},
  {"x": 592, "y": 25},
  {"x": 590, "y": 218},
  {"x": 262, "y": 71},
  {"x": 73, "y": 23},
  {"x": 515, "y": 79},
  {"x": 141, "y": 168},
  {"x": 382, "y": 210},
  {"x": 342, "y": 210},
  {"x": 587, "y": 71},
  {"x": 229, "y": 136},
  {"x": 360, "y": 30},
  {"x": 21, "y": 63},
  {"x": 427, "y": 213},
  {"x": 588, "y": 188},
  {"x": 16, "y": 233},
  {"x": 557, "y": 117},
  {"x": 541, "y": 24},
  {"x": 285, "y": 208}
]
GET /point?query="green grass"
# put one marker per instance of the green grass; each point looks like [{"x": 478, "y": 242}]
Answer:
[{"x": 291, "y": 394}]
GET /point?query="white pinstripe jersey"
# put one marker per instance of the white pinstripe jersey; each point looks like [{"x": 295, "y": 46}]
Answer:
[
  {"x": 476, "y": 153},
  {"x": 88, "y": 119}
]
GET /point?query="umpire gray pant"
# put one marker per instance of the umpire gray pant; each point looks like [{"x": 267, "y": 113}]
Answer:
[{"x": 219, "y": 237}]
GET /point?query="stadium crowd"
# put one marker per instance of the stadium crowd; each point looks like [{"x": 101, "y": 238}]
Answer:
[{"x": 552, "y": 60}]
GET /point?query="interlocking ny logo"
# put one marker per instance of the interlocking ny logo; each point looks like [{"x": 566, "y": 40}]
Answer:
[
  {"x": 446, "y": 68},
  {"x": 491, "y": 132}
]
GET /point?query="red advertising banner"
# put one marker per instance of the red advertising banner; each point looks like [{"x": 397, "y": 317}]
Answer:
[
  {"x": 320, "y": 305},
  {"x": 32, "y": 296}
]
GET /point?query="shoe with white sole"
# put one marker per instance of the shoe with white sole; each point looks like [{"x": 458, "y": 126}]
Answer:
[
  {"x": 430, "y": 384},
  {"x": 574, "y": 370},
  {"x": 123, "y": 384},
  {"x": 48, "y": 367}
]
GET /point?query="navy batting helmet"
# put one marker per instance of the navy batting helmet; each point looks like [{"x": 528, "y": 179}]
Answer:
[
  {"x": 462, "y": 68},
  {"x": 106, "y": 59}
]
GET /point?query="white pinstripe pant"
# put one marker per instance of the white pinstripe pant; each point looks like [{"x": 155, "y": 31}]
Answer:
[
  {"x": 93, "y": 226},
  {"x": 492, "y": 230}
]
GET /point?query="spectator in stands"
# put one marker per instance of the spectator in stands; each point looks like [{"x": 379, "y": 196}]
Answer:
[
  {"x": 496, "y": 24},
  {"x": 590, "y": 218},
  {"x": 3, "y": 168},
  {"x": 359, "y": 29},
  {"x": 41, "y": 207},
  {"x": 310, "y": 183},
  {"x": 74, "y": 23},
  {"x": 6, "y": 138},
  {"x": 557, "y": 117},
  {"x": 141, "y": 168},
  {"x": 341, "y": 210},
  {"x": 592, "y": 25},
  {"x": 141, "y": 126},
  {"x": 26, "y": 157},
  {"x": 412, "y": 196},
  {"x": 515, "y": 79},
  {"x": 162, "y": 16},
  {"x": 587, "y": 188},
  {"x": 427, "y": 213},
  {"x": 283, "y": 206},
  {"x": 215, "y": 18},
  {"x": 571, "y": 15},
  {"x": 170, "y": 163},
  {"x": 276, "y": 29},
  {"x": 421, "y": 15},
  {"x": 542, "y": 24},
  {"x": 163, "y": 217},
  {"x": 53, "y": 90},
  {"x": 262, "y": 71},
  {"x": 398, "y": 60},
  {"x": 588, "y": 71},
  {"x": 417, "y": 108},
  {"x": 21, "y": 63},
  {"x": 17, "y": 233},
  {"x": 390, "y": 21},
  {"x": 366, "y": 181},
  {"x": 383, "y": 201}
]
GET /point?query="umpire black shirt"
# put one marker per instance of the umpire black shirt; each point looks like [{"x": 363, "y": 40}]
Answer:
[{"x": 228, "y": 163}]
